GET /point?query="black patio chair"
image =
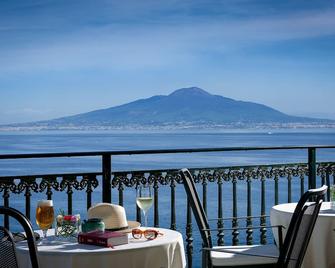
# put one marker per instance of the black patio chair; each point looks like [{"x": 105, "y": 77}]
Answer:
[
  {"x": 8, "y": 258},
  {"x": 289, "y": 254}
]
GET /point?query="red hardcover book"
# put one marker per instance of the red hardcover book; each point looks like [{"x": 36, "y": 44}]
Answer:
[{"x": 104, "y": 239}]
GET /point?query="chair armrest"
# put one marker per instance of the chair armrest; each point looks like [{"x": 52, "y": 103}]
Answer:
[
  {"x": 245, "y": 228},
  {"x": 239, "y": 218},
  {"x": 280, "y": 231}
]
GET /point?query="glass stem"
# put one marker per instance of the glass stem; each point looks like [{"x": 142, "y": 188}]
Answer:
[
  {"x": 145, "y": 219},
  {"x": 45, "y": 234}
]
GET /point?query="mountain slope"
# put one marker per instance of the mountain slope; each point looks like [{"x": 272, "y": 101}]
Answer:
[
  {"x": 183, "y": 105},
  {"x": 191, "y": 106}
]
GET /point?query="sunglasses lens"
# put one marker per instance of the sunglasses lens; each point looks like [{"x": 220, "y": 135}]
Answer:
[
  {"x": 150, "y": 234},
  {"x": 137, "y": 233}
]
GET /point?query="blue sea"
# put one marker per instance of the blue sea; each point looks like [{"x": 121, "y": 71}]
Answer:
[{"x": 66, "y": 141}]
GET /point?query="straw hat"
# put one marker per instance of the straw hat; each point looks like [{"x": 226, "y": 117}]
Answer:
[{"x": 113, "y": 216}]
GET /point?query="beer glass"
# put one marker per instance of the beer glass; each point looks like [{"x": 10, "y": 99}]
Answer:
[{"x": 44, "y": 216}]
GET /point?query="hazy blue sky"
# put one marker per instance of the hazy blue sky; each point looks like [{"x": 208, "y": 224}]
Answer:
[{"x": 65, "y": 57}]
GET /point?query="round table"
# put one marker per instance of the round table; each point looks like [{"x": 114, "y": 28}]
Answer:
[
  {"x": 320, "y": 251},
  {"x": 164, "y": 251}
]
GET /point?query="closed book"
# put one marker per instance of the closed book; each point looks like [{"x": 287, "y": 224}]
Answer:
[{"x": 103, "y": 238}]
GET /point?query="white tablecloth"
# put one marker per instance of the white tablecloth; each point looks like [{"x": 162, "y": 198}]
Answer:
[
  {"x": 165, "y": 251},
  {"x": 321, "y": 248}
]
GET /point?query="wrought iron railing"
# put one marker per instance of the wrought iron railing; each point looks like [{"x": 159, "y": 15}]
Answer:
[{"x": 246, "y": 187}]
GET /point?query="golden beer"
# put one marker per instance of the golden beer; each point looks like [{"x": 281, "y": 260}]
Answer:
[{"x": 44, "y": 214}]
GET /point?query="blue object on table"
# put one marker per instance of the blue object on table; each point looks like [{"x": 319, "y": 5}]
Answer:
[{"x": 94, "y": 224}]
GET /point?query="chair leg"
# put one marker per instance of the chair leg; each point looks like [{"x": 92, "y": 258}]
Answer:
[{"x": 206, "y": 262}]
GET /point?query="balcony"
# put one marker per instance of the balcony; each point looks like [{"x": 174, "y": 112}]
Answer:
[{"x": 228, "y": 192}]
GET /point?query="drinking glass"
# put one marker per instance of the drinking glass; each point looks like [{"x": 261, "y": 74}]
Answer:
[
  {"x": 144, "y": 200},
  {"x": 44, "y": 216}
]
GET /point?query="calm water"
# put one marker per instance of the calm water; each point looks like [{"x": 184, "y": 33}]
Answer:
[
  {"x": 104, "y": 141},
  {"x": 15, "y": 143}
]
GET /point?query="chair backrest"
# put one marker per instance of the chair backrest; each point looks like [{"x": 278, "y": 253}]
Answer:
[
  {"x": 197, "y": 208},
  {"x": 28, "y": 229},
  {"x": 7, "y": 249},
  {"x": 301, "y": 227}
]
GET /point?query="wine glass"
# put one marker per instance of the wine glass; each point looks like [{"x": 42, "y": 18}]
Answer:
[
  {"x": 44, "y": 216},
  {"x": 144, "y": 200}
]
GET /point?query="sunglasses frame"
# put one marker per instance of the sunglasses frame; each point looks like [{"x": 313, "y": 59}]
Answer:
[{"x": 138, "y": 233}]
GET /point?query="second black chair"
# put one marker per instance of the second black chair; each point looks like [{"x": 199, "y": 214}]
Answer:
[{"x": 294, "y": 246}]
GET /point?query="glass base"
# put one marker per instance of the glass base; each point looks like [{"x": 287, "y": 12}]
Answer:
[{"x": 45, "y": 241}]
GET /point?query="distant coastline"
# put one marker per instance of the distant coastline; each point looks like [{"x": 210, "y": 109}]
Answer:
[{"x": 169, "y": 127}]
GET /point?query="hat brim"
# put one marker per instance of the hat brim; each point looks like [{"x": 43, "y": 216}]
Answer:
[{"x": 131, "y": 225}]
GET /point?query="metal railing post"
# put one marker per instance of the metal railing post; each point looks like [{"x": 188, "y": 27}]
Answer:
[
  {"x": 311, "y": 168},
  {"x": 106, "y": 178},
  {"x": 189, "y": 237}
]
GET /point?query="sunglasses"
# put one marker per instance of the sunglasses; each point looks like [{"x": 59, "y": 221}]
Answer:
[{"x": 149, "y": 234}]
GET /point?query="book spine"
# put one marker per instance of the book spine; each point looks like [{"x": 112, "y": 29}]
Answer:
[{"x": 93, "y": 241}]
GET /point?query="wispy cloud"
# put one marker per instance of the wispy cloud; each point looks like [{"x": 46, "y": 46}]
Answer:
[{"x": 122, "y": 44}]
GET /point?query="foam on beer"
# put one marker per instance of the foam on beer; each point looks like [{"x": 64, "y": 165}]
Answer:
[{"x": 45, "y": 203}]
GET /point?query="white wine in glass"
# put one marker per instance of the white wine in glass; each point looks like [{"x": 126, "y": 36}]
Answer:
[
  {"x": 44, "y": 216},
  {"x": 144, "y": 200}
]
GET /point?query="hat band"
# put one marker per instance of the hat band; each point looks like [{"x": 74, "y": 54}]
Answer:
[{"x": 117, "y": 229}]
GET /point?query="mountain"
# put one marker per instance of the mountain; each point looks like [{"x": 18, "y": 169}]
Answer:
[{"x": 189, "y": 106}]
